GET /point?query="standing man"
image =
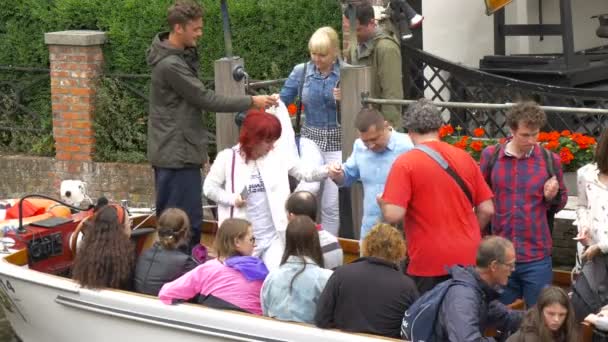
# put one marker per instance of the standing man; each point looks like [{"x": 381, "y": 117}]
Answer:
[
  {"x": 177, "y": 139},
  {"x": 373, "y": 155},
  {"x": 381, "y": 51},
  {"x": 524, "y": 190},
  {"x": 442, "y": 224}
]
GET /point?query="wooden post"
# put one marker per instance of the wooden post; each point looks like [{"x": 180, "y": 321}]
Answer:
[
  {"x": 354, "y": 81},
  {"x": 226, "y": 131}
]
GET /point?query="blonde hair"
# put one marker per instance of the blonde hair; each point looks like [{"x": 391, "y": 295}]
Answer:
[
  {"x": 385, "y": 242},
  {"x": 173, "y": 227},
  {"x": 230, "y": 230},
  {"x": 324, "y": 41}
]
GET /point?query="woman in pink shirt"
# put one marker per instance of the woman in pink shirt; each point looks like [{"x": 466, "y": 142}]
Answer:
[{"x": 232, "y": 281}]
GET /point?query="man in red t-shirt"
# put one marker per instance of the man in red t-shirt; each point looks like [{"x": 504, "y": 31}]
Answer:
[{"x": 442, "y": 225}]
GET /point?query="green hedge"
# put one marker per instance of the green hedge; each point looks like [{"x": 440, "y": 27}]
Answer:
[{"x": 271, "y": 35}]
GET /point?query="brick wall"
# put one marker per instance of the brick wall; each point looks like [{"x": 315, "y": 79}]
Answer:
[
  {"x": 20, "y": 175},
  {"x": 73, "y": 70}
]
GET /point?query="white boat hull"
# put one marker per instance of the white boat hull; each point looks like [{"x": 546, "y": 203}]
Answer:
[{"x": 43, "y": 307}]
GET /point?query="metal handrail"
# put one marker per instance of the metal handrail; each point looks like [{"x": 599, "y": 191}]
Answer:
[
  {"x": 476, "y": 105},
  {"x": 262, "y": 84}
]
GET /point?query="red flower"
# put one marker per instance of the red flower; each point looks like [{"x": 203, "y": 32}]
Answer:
[
  {"x": 566, "y": 155},
  {"x": 479, "y": 132},
  {"x": 552, "y": 145},
  {"x": 477, "y": 146},
  {"x": 292, "y": 109},
  {"x": 502, "y": 140},
  {"x": 554, "y": 135},
  {"x": 445, "y": 130},
  {"x": 543, "y": 137},
  {"x": 565, "y": 133}
]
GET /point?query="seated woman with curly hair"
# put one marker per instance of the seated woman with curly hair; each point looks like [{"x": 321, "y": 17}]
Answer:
[
  {"x": 106, "y": 258},
  {"x": 165, "y": 262},
  {"x": 231, "y": 281},
  {"x": 370, "y": 294}
]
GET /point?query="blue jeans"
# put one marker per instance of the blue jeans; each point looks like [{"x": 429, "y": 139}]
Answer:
[{"x": 528, "y": 279}]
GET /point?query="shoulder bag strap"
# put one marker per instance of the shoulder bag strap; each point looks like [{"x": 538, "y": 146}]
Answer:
[
  {"x": 491, "y": 163},
  {"x": 299, "y": 103},
  {"x": 444, "y": 165},
  {"x": 548, "y": 161},
  {"x": 232, "y": 179}
]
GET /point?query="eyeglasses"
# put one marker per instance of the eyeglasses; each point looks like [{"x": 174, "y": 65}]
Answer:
[{"x": 510, "y": 265}]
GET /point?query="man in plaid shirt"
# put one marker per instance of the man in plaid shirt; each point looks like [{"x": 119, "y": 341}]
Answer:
[{"x": 523, "y": 191}]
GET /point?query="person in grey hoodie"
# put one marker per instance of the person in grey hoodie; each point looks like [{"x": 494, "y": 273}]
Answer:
[{"x": 177, "y": 139}]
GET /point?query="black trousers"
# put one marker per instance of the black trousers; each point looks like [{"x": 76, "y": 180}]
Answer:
[{"x": 181, "y": 188}]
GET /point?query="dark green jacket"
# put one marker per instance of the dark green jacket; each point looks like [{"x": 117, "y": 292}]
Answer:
[
  {"x": 177, "y": 137},
  {"x": 383, "y": 54}
]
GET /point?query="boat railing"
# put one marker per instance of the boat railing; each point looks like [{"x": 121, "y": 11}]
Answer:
[{"x": 480, "y": 94}]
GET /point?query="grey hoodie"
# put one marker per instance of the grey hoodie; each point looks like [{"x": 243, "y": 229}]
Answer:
[{"x": 176, "y": 132}]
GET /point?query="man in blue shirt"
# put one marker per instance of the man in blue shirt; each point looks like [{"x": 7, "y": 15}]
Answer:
[{"x": 373, "y": 155}]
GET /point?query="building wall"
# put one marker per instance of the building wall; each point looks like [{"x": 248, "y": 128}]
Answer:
[{"x": 460, "y": 31}]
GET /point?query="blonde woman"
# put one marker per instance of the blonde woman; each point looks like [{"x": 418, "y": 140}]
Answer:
[{"x": 317, "y": 83}]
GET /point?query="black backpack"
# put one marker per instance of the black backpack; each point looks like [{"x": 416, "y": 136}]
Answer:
[{"x": 547, "y": 156}]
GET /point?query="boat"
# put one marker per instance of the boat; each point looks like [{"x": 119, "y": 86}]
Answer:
[{"x": 43, "y": 304}]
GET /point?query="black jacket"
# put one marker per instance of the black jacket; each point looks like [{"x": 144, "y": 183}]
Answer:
[
  {"x": 176, "y": 132},
  {"x": 467, "y": 311},
  {"x": 369, "y": 295},
  {"x": 157, "y": 266}
]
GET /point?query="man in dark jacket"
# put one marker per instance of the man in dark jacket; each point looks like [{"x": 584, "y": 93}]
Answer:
[
  {"x": 468, "y": 310},
  {"x": 177, "y": 139},
  {"x": 381, "y": 51}
]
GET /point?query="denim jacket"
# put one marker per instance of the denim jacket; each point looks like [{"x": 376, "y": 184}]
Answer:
[
  {"x": 300, "y": 304},
  {"x": 317, "y": 94}
]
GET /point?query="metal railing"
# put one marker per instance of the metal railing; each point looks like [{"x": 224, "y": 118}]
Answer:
[
  {"x": 441, "y": 80},
  {"x": 472, "y": 105},
  {"x": 23, "y": 92}
]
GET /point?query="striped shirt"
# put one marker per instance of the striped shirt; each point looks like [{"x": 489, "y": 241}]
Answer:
[{"x": 521, "y": 210}]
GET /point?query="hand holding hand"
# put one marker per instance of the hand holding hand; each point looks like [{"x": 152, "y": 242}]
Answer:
[
  {"x": 239, "y": 202},
  {"x": 551, "y": 188},
  {"x": 263, "y": 101},
  {"x": 335, "y": 170}
]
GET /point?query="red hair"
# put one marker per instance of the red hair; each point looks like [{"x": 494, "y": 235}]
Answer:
[{"x": 258, "y": 127}]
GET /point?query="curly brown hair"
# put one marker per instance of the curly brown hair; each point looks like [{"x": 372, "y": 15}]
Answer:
[
  {"x": 173, "y": 228},
  {"x": 528, "y": 113},
  {"x": 182, "y": 12},
  {"x": 106, "y": 258},
  {"x": 385, "y": 242}
]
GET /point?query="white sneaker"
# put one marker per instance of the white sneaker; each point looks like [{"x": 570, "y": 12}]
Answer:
[{"x": 416, "y": 21}]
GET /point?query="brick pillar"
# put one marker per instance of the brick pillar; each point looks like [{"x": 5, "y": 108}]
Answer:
[{"x": 76, "y": 60}]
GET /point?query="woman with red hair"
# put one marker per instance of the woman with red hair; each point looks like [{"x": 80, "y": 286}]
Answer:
[{"x": 250, "y": 180}]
